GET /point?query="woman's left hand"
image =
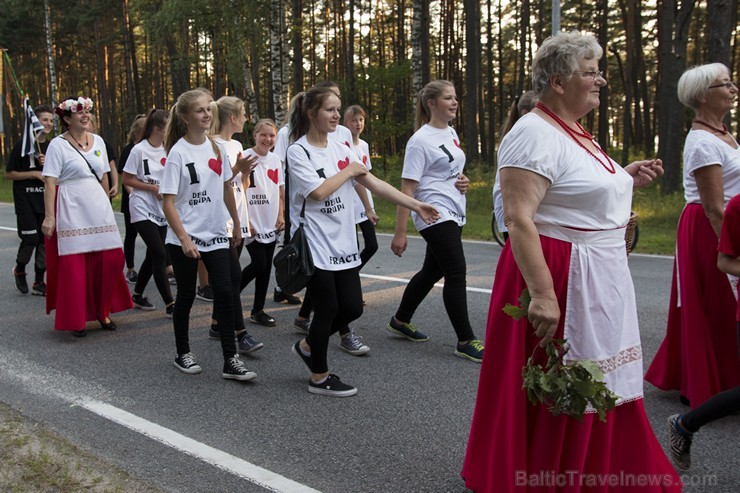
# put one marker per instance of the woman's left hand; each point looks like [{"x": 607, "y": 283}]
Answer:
[
  {"x": 644, "y": 172},
  {"x": 374, "y": 219},
  {"x": 462, "y": 183},
  {"x": 428, "y": 213}
]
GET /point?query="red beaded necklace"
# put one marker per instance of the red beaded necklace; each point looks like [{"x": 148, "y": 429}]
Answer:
[
  {"x": 581, "y": 132},
  {"x": 724, "y": 130}
]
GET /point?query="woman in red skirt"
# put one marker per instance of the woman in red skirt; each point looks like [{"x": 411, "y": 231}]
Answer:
[
  {"x": 566, "y": 205},
  {"x": 83, "y": 247}
]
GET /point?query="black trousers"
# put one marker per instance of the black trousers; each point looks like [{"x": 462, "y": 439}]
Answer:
[
  {"x": 129, "y": 240},
  {"x": 369, "y": 240},
  {"x": 337, "y": 299},
  {"x": 258, "y": 270},
  {"x": 29, "y": 231},
  {"x": 444, "y": 258},
  {"x": 223, "y": 276},
  {"x": 155, "y": 260}
]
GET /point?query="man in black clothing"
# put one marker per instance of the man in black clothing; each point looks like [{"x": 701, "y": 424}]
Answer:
[{"x": 28, "y": 195}]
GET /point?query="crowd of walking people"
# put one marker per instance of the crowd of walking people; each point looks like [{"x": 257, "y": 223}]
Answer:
[{"x": 197, "y": 198}]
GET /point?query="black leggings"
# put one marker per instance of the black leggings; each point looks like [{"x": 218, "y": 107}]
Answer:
[
  {"x": 370, "y": 241},
  {"x": 719, "y": 406},
  {"x": 29, "y": 231},
  {"x": 129, "y": 241},
  {"x": 444, "y": 258},
  {"x": 155, "y": 260},
  {"x": 259, "y": 270},
  {"x": 340, "y": 296},
  {"x": 223, "y": 276}
]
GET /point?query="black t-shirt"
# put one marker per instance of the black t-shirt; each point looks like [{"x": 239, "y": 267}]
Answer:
[{"x": 28, "y": 195}]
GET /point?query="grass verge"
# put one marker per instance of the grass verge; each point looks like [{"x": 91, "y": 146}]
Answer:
[{"x": 35, "y": 459}]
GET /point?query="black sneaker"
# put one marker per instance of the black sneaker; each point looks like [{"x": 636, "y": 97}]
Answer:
[
  {"x": 234, "y": 370},
  {"x": 296, "y": 349},
  {"x": 680, "y": 443},
  {"x": 205, "y": 294},
  {"x": 20, "y": 281},
  {"x": 473, "y": 350},
  {"x": 406, "y": 330},
  {"x": 39, "y": 289},
  {"x": 332, "y": 386},
  {"x": 302, "y": 326},
  {"x": 282, "y": 297},
  {"x": 132, "y": 277},
  {"x": 169, "y": 311},
  {"x": 186, "y": 363},
  {"x": 142, "y": 302},
  {"x": 247, "y": 344},
  {"x": 263, "y": 319}
]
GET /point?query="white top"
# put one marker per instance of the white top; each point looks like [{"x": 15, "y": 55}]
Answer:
[
  {"x": 582, "y": 194},
  {"x": 363, "y": 152},
  {"x": 263, "y": 196},
  {"x": 234, "y": 150},
  {"x": 281, "y": 144},
  {"x": 343, "y": 135},
  {"x": 435, "y": 160},
  {"x": 329, "y": 224},
  {"x": 66, "y": 164},
  {"x": 701, "y": 149},
  {"x": 195, "y": 175},
  {"x": 498, "y": 205},
  {"x": 146, "y": 163}
]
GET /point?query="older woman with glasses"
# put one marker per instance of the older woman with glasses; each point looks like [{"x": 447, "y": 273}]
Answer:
[
  {"x": 566, "y": 205},
  {"x": 698, "y": 355}
]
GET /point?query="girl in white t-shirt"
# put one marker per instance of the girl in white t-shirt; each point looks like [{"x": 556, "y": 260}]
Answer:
[
  {"x": 197, "y": 200},
  {"x": 229, "y": 117},
  {"x": 433, "y": 172},
  {"x": 321, "y": 178},
  {"x": 142, "y": 173},
  {"x": 265, "y": 198}
]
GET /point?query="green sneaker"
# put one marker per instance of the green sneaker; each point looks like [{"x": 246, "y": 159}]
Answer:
[
  {"x": 406, "y": 330},
  {"x": 473, "y": 350}
]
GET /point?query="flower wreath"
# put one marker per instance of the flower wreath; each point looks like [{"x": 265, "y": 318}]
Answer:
[{"x": 74, "y": 105}]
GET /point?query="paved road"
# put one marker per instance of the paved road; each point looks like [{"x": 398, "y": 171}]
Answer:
[{"x": 118, "y": 395}]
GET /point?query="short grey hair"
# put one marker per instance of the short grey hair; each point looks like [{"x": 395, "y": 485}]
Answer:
[
  {"x": 694, "y": 83},
  {"x": 561, "y": 55}
]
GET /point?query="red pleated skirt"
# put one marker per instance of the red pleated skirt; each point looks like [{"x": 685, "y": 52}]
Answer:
[
  {"x": 515, "y": 446},
  {"x": 84, "y": 287},
  {"x": 698, "y": 356}
]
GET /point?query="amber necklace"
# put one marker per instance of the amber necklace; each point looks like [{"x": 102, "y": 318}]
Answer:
[
  {"x": 581, "y": 132},
  {"x": 724, "y": 130}
]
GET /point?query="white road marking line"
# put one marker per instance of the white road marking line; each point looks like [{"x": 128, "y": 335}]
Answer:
[
  {"x": 8, "y": 229},
  {"x": 406, "y": 281},
  {"x": 239, "y": 467}
]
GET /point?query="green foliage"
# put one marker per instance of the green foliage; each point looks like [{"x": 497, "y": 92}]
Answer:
[{"x": 565, "y": 387}]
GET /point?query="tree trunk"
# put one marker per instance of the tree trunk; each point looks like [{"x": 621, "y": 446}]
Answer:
[
  {"x": 603, "y": 136},
  {"x": 721, "y": 16},
  {"x": 297, "y": 7},
  {"x": 472, "y": 74},
  {"x": 673, "y": 26},
  {"x": 52, "y": 64},
  {"x": 276, "y": 60}
]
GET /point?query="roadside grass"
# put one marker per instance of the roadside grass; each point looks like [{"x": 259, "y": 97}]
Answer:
[
  {"x": 658, "y": 214},
  {"x": 37, "y": 460}
]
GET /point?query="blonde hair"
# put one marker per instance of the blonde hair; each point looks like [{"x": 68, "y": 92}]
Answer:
[
  {"x": 264, "y": 122},
  {"x": 137, "y": 126},
  {"x": 428, "y": 93},
  {"x": 177, "y": 125},
  {"x": 222, "y": 110}
]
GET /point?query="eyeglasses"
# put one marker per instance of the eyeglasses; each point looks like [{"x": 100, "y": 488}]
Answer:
[
  {"x": 593, "y": 75},
  {"x": 728, "y": 85}
]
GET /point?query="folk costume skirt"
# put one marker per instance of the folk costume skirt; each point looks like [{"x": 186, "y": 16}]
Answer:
[
  {"x": 89, "y": 284},
  {"x": 698, "y": 356},
  {"x": 515, "y": 446}
]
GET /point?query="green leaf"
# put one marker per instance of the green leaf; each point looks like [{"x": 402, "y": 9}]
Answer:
[
  {"x": 515, "y": 312},
  {"x": 593, "y": 369}
]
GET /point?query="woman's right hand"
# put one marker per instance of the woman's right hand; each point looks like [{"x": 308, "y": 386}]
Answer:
[
  {"x": 544, "y": 315},
  {"x": 399, "y": 244},
  {"x": 356, "y": 169},
  {"x": 189, "y": 248},
  {"x": 47, "y": 227}
]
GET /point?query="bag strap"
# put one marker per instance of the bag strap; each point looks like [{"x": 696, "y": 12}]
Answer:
[
  {"x": 85, "y": 159},
  {"x": 286, "y": 236}
]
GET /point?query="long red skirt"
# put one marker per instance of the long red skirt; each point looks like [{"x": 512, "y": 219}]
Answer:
[
  {"x": 84, "y": 287},
  {"x": 515, "y": 446},
  {"x": 699, "y": 354}
]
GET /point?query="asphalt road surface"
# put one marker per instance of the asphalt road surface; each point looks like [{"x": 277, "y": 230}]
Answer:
[{"x": 118, "y": 395}]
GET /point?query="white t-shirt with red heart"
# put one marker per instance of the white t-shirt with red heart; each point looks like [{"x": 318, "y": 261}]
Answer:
[
  {"x": 363, "y": 152},
  {"x": 263, "y": 196},
  {"x": 146, "y": 163},
  {"x": 234, "y": 150},
  {"x": 196, "y": 176},
  {"x": 329, "y": 224},
  {"x": 435, "y": 160}
]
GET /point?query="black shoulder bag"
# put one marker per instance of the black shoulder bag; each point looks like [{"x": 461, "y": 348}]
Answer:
[
  {"x": 86, "y": 161},
  {"x": 294, "y": 263}
]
